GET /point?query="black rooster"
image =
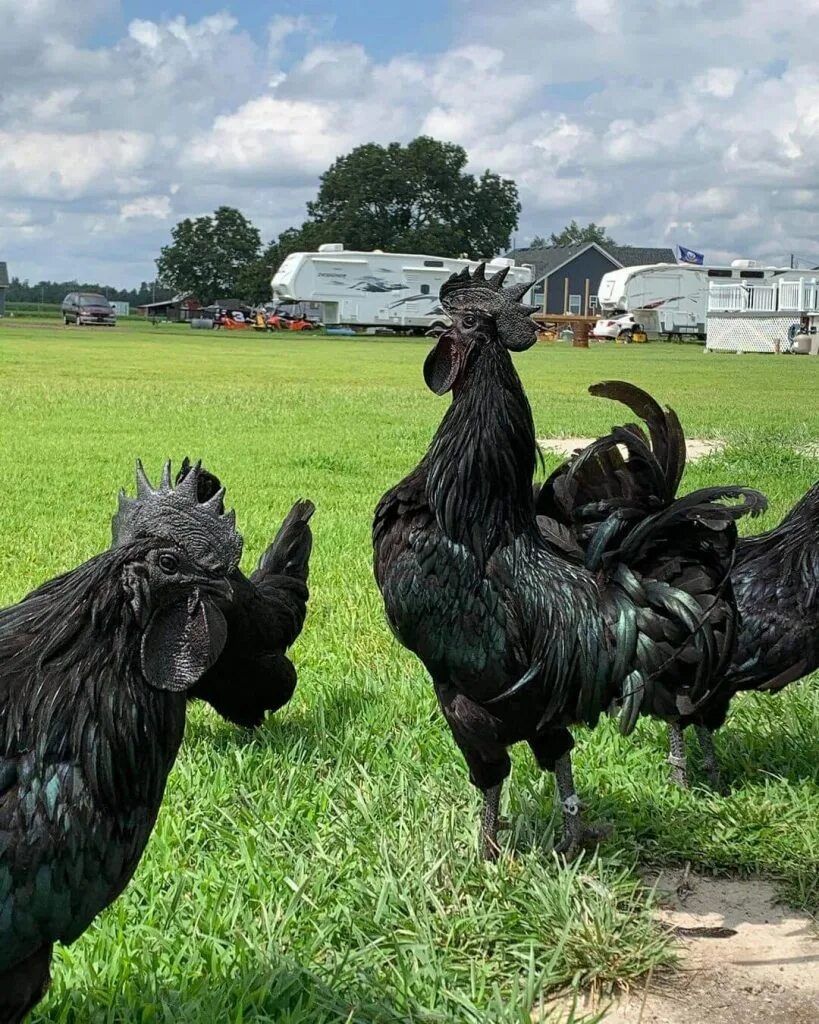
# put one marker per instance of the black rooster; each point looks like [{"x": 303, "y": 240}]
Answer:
[
  {"x": 523, "y": 630},
  {"x": 580, "y": 495},
  {"x": 253, "y": 674},
  {"x": 94, "y": 668},
  {"x": 776, "y": 582}
]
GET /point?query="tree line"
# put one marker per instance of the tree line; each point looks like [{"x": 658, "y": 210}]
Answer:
[{"x": 53, "y": 292}]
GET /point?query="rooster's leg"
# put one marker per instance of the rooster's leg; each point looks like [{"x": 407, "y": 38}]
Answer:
[
  {"x": 709, "y": 757},
  {"x": 676, "y": 755},
  {"x": 575, "y": 833},
  {"x": 490, "y": 821}
]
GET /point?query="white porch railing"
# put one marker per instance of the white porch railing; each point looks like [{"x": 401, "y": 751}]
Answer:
[{"x": 801, "y": 296}]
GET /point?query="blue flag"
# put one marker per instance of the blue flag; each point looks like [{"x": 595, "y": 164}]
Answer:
[{"x": 689, "y": 256}]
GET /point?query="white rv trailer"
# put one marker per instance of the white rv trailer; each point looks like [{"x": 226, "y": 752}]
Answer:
[
  {"x": 674, "y": 297},
  {"x": 377, "y": 289}
]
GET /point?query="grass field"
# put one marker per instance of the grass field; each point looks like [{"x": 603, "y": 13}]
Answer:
[{"x": 325, "y": 869}]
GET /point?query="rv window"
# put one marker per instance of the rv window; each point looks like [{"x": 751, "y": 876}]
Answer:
[
  {"x": 433, "y": 263},
  {"x": 425, "y": 289},
  {"x": 720, "y": 273},
  {"x": 574, "y": 304},
  {"x": 752, "y": 273}
]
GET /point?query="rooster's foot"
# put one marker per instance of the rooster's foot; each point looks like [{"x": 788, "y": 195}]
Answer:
[{"x": 576, "y": 834}]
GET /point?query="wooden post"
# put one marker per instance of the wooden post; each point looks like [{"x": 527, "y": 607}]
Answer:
[
  {"x": 545, "y": 294},
  {"x": 586, "y": 306},
  {"x": 565, "y": 295}
]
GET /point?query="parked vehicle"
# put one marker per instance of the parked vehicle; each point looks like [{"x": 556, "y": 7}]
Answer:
[
  {"x": 377, "y": 289},
  {"x": 281, "y": 321},
  {"x": 611, "y": 329},
  {"x": 88, "y": 308}
]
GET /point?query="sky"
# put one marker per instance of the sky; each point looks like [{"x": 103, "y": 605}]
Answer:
[{"x": 668, "y": 121}]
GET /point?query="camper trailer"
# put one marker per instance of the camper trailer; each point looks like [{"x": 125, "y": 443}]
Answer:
[
  {"x": 376, "y": 289},
  {"x": 677, "y": 293}
]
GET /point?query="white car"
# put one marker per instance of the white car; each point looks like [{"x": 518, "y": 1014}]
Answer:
[{"x": 615, "y": 327}]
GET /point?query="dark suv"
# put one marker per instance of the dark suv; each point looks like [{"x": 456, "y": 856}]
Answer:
[{"x": 88, "y": 308}]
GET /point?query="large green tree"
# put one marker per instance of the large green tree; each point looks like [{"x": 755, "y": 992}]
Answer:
[
  {"x": 211, "y": 257},
  {"x": 414, "y": 198},
  {"x": 574, "y": 234}
]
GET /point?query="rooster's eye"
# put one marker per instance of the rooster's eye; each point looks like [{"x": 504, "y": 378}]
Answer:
[
  {"x": 168, "y": 564},
  {"x": 470, "y": 320}
]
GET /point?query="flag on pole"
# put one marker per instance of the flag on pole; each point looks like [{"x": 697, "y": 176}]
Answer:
[{"x": 689, "y": 256}]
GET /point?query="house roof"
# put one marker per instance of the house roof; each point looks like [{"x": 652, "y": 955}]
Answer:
[
  {"x": 549, "y": 259},
  {"x": 640, "y": 256},
  {"x": 4, "y": 275},
  {"x": 182, "y": 297}
]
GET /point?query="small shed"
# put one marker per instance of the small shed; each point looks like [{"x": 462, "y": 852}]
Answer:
[
  {"x": 180, "y": 308},
  {"x": 567, "y": 277},
  {"x": 4, "y": 284}
]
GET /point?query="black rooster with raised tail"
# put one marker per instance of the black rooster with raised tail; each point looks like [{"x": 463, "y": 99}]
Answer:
[
  {"x": 94, "y": 670},
  {"x": 524, "y": 630},
  {"x": 253, "y": 675},
  {"x": 776, "y": 583},
  {"x": 599, "y": 488}
]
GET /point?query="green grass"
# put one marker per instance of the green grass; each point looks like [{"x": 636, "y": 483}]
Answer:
[{"x": 324, "y": 870}]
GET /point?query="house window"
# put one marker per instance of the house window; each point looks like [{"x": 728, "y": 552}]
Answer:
[
  {"x": 425, "y": 289},
  {"x": 593, "y": 303},
  {"x": 575, "y": 302}
]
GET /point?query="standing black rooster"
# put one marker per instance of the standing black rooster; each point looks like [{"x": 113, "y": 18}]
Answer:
[
  {"x": 776, "y": 582},
  {"x": 581, "y": 494},
  {"x": 775, "y": 578},
  {"x": 94, "y": 668},
  {"x": 524, "y": 631},
  {"x": 253, "y": 674}
]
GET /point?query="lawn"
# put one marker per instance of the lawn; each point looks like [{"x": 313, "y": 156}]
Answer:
[{"x": 325, "y": 869}]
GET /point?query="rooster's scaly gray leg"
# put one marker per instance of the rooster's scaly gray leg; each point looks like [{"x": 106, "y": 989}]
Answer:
[
  {"x": 676, "y": 755},
  {"x": 490, "y": 822},
  {"x": 575, "y": 833},
  {"x": 709, "y": 757}
]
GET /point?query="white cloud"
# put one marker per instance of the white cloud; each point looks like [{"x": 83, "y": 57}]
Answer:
[
  {"x": 669, "y": 120},
  {"x": 156, "y": 207},
  {"x": 40, "y": 165}
]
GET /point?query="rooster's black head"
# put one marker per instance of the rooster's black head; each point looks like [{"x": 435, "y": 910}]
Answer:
[
  {"x": 180, "y": 553},
  {"x": 483, "y": 312}
]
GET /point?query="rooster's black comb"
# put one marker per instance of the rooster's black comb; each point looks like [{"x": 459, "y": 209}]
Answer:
[
  {"x": 474, "y": 291},
  {"x": 176, "y": 513}
]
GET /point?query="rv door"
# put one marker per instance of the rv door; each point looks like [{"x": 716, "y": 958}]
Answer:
[{"x": 349, "y": 311}]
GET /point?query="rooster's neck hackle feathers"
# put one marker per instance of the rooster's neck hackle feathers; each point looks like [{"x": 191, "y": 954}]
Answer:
[
  {"x": 482, "y": 459},
  {"x": 74, "y": 689}
]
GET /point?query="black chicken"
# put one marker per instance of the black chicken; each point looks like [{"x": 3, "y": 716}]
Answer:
[
  {"x": 253, "y": 674},
  {"x": 94, "y": 668},
  {"x": 580, "y": 495},
  {"x": 523, "y": 630},
  {"x": 776, "y": 583}
]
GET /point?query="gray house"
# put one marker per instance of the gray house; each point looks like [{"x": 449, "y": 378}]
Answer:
[
  {"x": 567, "y": 277},
  {"x": 4, "y": 283}
]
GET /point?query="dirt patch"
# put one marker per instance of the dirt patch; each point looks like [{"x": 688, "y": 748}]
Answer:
[
  {"x": 765, "y": 971},
  {"x": 695, "y": 447}
]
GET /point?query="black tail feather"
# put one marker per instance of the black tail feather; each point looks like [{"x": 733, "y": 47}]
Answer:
[{"x": 289, "y": 554}]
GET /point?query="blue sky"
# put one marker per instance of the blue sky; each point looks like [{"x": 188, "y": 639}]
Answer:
[
  {"x": 668, "y": 121},
  {"x": 386, "y": 28}
]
